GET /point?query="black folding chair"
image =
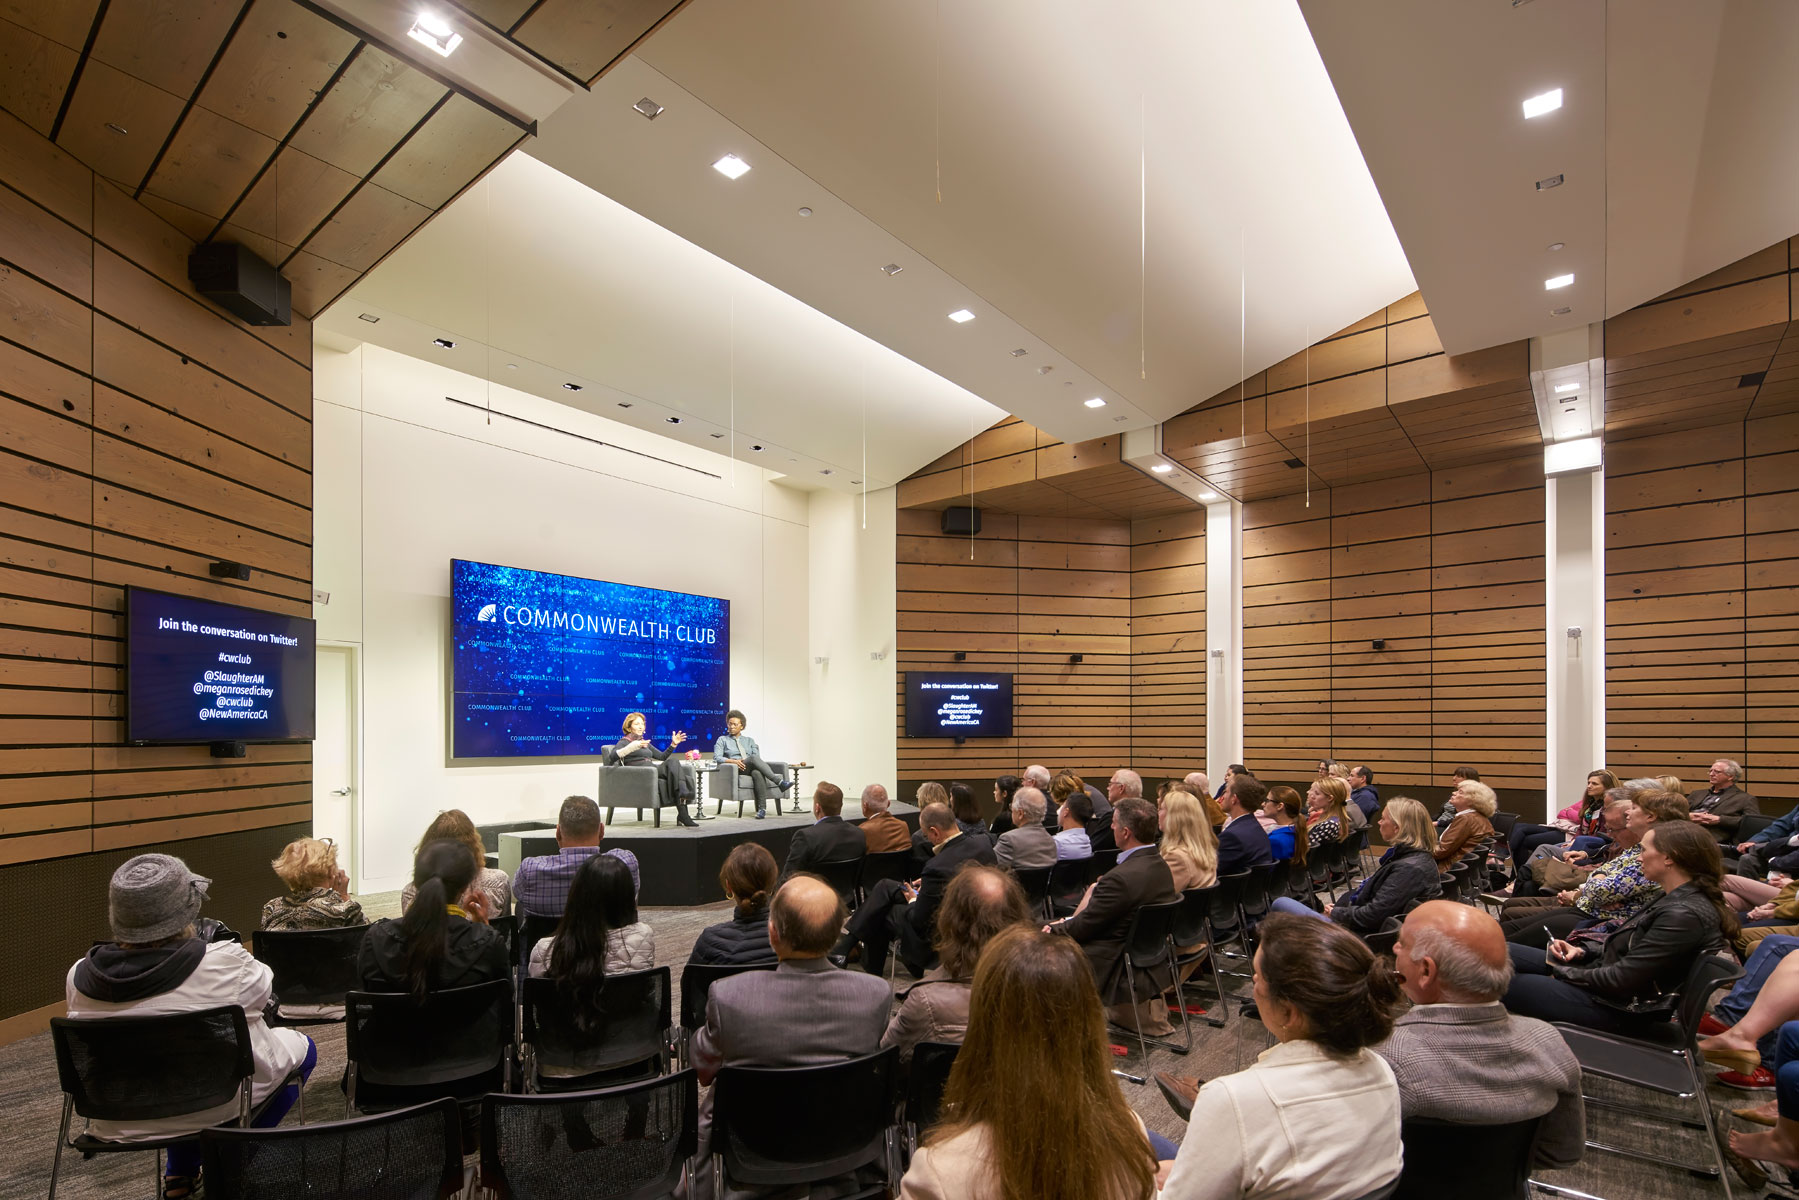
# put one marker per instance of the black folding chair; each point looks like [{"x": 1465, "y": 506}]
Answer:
[
  {"x": 1193, "y": 927},
  {"x": 623, "y": 1040},
  {"x": 408, "y": 1154},
  {"x": 135, "y": 1069},
  {"x": 622, "y": 1143},
  {"x": 897, "y": 865},
  {"x": 506, "y": 926},
  {"x": 1382, "y": 941},
  {"x": 1101, "y": 862},
  {"x": 1469, "y": 1162},
  {"x": 929, "y": 1075},
  {"x": 313, "y": 968},
  {"x": 532, "y": 929},
  {"x": 696, "y": 984},
  {"x": 459, "y": 1043},
  {"x": 842, "y": 874},
  {"x": 1665, "y": 1058},
  {"x": 1254, "y": 900},
  {"x": 1067, "y": 880},
  {"x": 1503, "y": 824},
  {"x": 1322, "y": 864},
  {"x": 1035, "y": 882},
  {"x": 779, "y": 1127},
  {"x": 1148, "y": 947}
]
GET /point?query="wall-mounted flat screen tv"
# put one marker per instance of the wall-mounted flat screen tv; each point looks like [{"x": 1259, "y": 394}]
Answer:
[
  {"x": 200, "y": 671},
  {"x": 547, "y": 664},
  {"x": 965, "y": 704}
]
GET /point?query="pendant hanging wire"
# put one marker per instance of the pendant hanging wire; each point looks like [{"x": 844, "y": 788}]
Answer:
[
  {"x": 486, "y": 297},
  {"x": 1308, "y": 416},
  {"x": 1242, "y": 333},
  {"x": 937, "y": 96},
  {"x": 1142, "y": 236},
  {"x": 865, "y": 444},
  {"x": 733, "y": 339}
]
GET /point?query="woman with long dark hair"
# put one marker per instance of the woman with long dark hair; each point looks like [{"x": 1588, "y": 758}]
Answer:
[
  {"x": 599, "y": 934},
  {"x": 441, "y": 942},
  {"x": 1004, "y": 788},
  {"x": 968, "y": 812}
]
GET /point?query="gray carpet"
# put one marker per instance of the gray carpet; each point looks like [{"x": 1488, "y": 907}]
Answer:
[{"x": 29, "y": 1092}]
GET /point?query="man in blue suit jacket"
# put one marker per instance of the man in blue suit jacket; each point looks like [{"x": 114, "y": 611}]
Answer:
[{"x": 1243, "y": 843}]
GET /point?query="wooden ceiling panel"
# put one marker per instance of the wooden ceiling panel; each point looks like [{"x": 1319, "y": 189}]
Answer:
[
  {"x": 1779, "y": 392},
  {"x": 34, "y": 70},
  {"x": 195, "y": 225},
  {"x": 106, "y": 95},
  {"x": 371, "y": 110},
  {"x": 370, "y": 223},
  {"x": 210, "y": 163},
  {"x": 584, "y": 37},
  {"x": 165, "y": 43},
  {"x": 452, "y": 148},
  {"x": 501, "y": 14},
  {"x": 65, "y": 22},
  {"x": 292, "y": 199},
  {"x": 280, "y": 58},
  {"x": 316, "y": 282}
]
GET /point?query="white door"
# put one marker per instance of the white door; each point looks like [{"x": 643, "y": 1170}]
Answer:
[{"x": 334, "y": 754}]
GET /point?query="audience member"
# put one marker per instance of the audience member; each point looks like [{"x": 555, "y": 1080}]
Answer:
[
  {"x": 599, "y": 934},
  {"x": 318, "y": 890},
  {"x": 541, "y": 885},
  {"x": 1036, "y": 1045},
  {"x": 1458, "y": 1055},
  {"x": 1125, "y": 784},
  {"x": 1449, "y": 809},
  {"x": 1745, "y": 1150},
  {"x": 156, "y": 966},
  {"x": 1329, "y": 768},
  {"x": 1073, "y": 816},
  {"x": 1104, "y": 916},
  {"x": 1776, "y": 847},
  {"x": 1316, "y": 1116},
  {"x": 1583, "y": 818},
  {"x": 1615, "y": 891},
  {"x": 1624, "y": 983},
  {"x": 1230, "y": 773},
  {"x": 930, "y": 792},
  {"x": 1362, "y": 793},
  {"x": 1722, "y": 803},
  {"x": 1475, "y": 805},
  {"x": 1407, "y": 873},
  {"x": 1290, "y": 837},
  {"x": 804, "y": 1013},
  {"x": 882, "y": 832},
  {"x": 1188, "y": 846},
  {"x": 1749, "y": 1044},
  {"x": 1004, "y": 788},
  {"x": 1038, "y": 776},
  {"x": 1198, "y": 783},
  {"x": 967, "y": 811},
  {"x": 979, "y": 903},
  {"x": 907, "y": 910},
  {"x": 1241, "y": 843},
  {"x": 453, "y": 825},
  {"x": 1027, "y": 846},
  {"x": 443, "y": 941},
  {"x": 1327, "y": 807},
  {"x": 748, "y": 879},
  {"x": 1766, "y": 960},
  {"x": 829, "y": 838}
]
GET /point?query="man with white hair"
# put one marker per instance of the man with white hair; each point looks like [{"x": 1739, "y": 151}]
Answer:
[
  {"x": 881, "y": 830},
  {"x": 1027, "y": 845},
  {"x": 1722, "y": 802},
  {"x": 1036, "y": 775},
  {"x": 1198, "y": 783}
]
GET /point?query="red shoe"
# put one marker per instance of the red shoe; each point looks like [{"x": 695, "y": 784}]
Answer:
[
  {"x": 1759, "y": 1080},
  {"x": 1710, "y": 1026}
]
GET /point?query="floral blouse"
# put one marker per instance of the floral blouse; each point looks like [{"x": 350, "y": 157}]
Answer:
[
  {"x": 1325, "y": 829},
  {"x": 1618, "y": 890}
]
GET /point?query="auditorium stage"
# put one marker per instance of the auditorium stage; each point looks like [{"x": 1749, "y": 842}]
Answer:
[{"x": 680, "y": 866}]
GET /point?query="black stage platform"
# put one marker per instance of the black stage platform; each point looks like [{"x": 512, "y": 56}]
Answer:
[{"x": 680, "y": 866}]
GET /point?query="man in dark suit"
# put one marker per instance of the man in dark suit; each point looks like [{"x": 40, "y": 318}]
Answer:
[
  {"x": 1141, "y": 877},
  {"x": 909, "y": 910},
  {"x": 1243, "y": 843},
  {"x": 830, "y": 838},
  {"x": 804, "y": 1013}
]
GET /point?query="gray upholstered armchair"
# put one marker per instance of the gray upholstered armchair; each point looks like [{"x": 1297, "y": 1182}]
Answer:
[
  {"x": 635, "y": 786},
  {"x": 728, "y": 783}
]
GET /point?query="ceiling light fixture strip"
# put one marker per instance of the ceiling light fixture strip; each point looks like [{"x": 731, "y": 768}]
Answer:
[{"x": 582, "y": 437}]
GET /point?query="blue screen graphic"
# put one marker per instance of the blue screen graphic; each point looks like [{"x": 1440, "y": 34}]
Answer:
[{"x": 550, "y": 664}]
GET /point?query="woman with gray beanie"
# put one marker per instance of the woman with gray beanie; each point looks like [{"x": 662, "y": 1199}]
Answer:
[{"x": 156, "y": 966}]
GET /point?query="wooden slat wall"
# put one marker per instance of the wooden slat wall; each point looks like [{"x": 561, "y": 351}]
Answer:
[
  {"x": 1168, "y": 644},
  {"x": 1702, "y": 613},
  {"x": 142, "y": 434},
  {"x": 1447, "y": 569}
]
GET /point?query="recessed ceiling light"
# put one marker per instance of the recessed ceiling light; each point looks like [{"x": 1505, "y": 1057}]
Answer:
[
  {"x": 805, "y": 212},
  {"x": 1096, "y": 402},
  {"x": 512, "y": 366},
  {"x": 624, "y": 404},
  {"x": 731, "y": 167},
  {"x": 892, "y": 269},
  {"x": 1019, "y": 353},
  {"x": 1161, "y": 468},
  {"x": 1562, "y": 389},
  {"x": 1554, "y": 181},
  {"x": 1548, "y": 102},
  {"x": 672, "y": 420},
  {"x": 1557, "y": 281},
  {"x": 1554, "y": 246},
  {"x": 855, "y": 481},
  {"x": 758, "y": 449},
  {"x": 718, "y": 435},
  {"x": 118, "y": 129},
  {"x": 1119, "y": 419},
  {"x": 1560, "y": 312},
  {"x": 1044, "y": 370},
  {"x": 649, "y": 108},
  {"x": 1581, "y": 454},
  {"x": 961, "y": 316},
  {"x": 1208, "y": 495},
  {"x": 433, "y": 31},
  {"x": 573, "y": 387},
  {"x": 371, "y": 318},
  {"x": 446, "y": 343},
  {"x": 826, "y": 471}
]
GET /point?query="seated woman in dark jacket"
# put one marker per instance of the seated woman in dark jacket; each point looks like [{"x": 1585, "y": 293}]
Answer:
[
  {"x": 674, "y": 783},
  {"x": 443, "y": 941},
  {"x": 1406, "y": 876},
  {"x": 1647, "y": 956},
  {"x": 748, "y": 877}
]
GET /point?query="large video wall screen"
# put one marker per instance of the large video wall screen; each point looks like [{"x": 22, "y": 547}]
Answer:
[{"x": 547, "y": 664}]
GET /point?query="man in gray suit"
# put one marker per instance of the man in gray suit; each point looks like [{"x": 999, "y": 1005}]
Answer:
[
  {"x": 1027, "y": 845},
  {"x": 804, "y": 1013}
]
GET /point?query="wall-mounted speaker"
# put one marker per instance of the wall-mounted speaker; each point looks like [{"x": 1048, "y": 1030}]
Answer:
[
  {"x": 244, "y": 285},
  {"x": 963, "y": 521}
]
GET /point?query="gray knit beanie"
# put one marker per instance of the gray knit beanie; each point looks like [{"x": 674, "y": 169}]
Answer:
[{"x": 153, "y": 896}]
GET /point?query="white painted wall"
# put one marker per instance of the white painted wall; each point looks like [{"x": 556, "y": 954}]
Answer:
[{"x": 405, "y": 481}]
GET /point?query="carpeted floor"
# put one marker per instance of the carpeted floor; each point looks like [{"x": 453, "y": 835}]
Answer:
[{"x": 28, "y": 1091}]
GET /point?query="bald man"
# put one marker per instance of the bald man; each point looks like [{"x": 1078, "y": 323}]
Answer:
[{"x": 1458, "y": 1055}]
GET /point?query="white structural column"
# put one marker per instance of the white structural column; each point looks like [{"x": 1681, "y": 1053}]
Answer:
[
  {"x": 1224, "y": 636},
  {"x": 1574, "y": 534}
]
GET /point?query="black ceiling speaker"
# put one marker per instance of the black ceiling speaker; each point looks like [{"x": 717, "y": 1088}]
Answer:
[
  {"x": 241, "y": 283},
  {"x": 962, "y": 522}
]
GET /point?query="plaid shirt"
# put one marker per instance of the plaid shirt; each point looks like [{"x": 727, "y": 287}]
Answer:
[{"x": 541, "y": 884}]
